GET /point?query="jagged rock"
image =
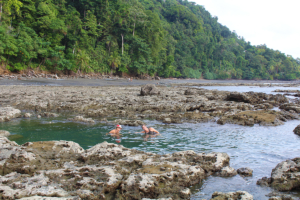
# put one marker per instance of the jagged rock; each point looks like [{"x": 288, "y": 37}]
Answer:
[
  {"x": 167, "y": 120},
  {"x": 297, "y": 130},
  {"x": 27, "y": 115},
  {"x": 48, "y": 114},
  {"x": 290, "y": 106},
  {"x": 82, "y": 119},
  {"x": 129, "y": 122},
  {"x": 227, "y": 172},
  {"x": 105, "y": 171},
  {"x": 245, "y": 171},
  {"x": 4, "y": 133},
  {"x": 149, "y": 89},
  {"x": 8, "y": 113},
  {"x": 284, "y": 177},
  {"x": 239, "y": 195},
  {"x": 276, "y": 196}
]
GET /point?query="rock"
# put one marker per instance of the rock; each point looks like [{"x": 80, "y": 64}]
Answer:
[
  {"x": 167, "y": 120},
  {"x": 297, "y": 130},
  {"x": 27, "y": 115},
  {"x": 149, "y": 89},
  {"x": 284, "y": 176},
  {"x": 49, "y": 198},
  {"x": 39, "y": 116},
  {"x": 47, "y": 114},
  {"x": 157, "y": 78},
  {"x": 239, "y": 195},
  {"x": 4, "y": 133},
  {"x": 227, "y": 172},
  {"x": 129, "y": 122},
  {"x": 8, "y": 113},
  {"x": 245, "y": 171},
  {"x": 82, "y": 119}
]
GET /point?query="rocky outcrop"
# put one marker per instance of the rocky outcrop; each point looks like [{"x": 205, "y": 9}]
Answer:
[
  {"x": 105, "y": 171},
  {"x": 239, "y": 195},
  {"x": 284, "y": 177},
  {"x": 129, "y": 122},
  {"x": 4, "y": 133},
  {"x": 261, "y": 117},
  {"x": 48, "y": 114},
  {"x": 149, "y": 89},
  {"x": 290, "y": 106},
  {"x": 297, "y": 130},
  {"x": 82, "y": 119},
  {"x": 8, "y": 113},
  {"x": 245, "y": 171},
  {"x": 172, "y": 105},
  {"x": 27, "y": 115}
]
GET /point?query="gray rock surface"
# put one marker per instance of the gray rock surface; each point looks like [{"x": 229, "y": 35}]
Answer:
[
  {"x": 149, "y": 89},
  {"x": 239, "y": 195},
  {"x": 105, "y": 171},
  {"x": 284, "y": 177},
  {"x": 245, "y": 171},
  {"x": 8, "y": 113},
  {"x": 4, "y": 133}
]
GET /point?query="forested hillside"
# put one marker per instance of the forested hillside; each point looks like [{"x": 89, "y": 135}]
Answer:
[{"x": 169, "y": 38}]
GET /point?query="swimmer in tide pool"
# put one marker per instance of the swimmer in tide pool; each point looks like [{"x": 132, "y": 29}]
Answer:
[
  {"x": 149, "y": 132},
  {"x": 116, "y": 133}
]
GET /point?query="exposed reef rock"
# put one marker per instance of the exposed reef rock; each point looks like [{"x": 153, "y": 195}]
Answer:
[
  {"x": 239, "y": 195},
  {"x": 4, "y": 133},
  {"x": 105, "y": 171},
  {"x": 245, "y": 171},
  {"x": 297, "y": 130},
  {"x": 8, "y": 113},
  {"x": 129, "y": 122},
  {"x": 82, "y": 119},
  {"x": 261, "y": 117},
  {"x": 167, "y": 104},
  {"x": 284, "y": 177},
  {"x": 149, "y": 89}
]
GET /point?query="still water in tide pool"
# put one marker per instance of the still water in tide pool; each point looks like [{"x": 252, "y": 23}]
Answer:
[{"x": 260, "y": 148}]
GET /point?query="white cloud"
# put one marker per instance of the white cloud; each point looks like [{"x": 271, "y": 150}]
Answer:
[{"x": 270, "y": 22}]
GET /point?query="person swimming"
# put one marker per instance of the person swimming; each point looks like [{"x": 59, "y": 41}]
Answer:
[
  {"x": 116, "y": 133},
  {"x": 148, "y": 131}
]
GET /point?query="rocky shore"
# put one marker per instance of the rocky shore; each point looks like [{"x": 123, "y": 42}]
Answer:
[
  {"x": 166, "y": 104},
  {"x": 105, "y": 171},
  {"x": 110, "y": 171}
]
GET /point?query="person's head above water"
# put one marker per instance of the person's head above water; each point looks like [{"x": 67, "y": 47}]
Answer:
[
  {"x": 144, "y": 127},
  {"x": 118, "y": 127}
]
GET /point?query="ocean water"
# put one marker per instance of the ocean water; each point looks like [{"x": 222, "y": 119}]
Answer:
[{"x": 260, "y": 148}]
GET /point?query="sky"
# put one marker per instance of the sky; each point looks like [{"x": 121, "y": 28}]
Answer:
[{"x": 271, "y": 22}]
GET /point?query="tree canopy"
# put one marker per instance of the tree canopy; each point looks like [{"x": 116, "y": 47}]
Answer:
[{"x": 169, "y": 38}]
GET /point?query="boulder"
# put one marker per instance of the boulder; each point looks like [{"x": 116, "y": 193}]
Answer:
[
  {"x": 227, "y": 172},
  {"x": 8, "y": 113},
  {"x": 245, "y": 171},
  {"x": 129, "y": 122},
  {"x": 239, "y": 195},
  {"x": 284, "y": 177},
  {"x": 27, "y": 115},
  {"x": 82, "y": 119},
  {"x": 4, "y": 133},
  {"x": 297, "y": 130},
  {"x": 149, "y": 89}
]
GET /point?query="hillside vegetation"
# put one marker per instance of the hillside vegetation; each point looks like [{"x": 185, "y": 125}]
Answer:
[{"x": 168, "y": 38}]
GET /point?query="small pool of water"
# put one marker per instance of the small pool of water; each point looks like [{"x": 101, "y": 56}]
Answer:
[
  {"x": 267, "y": 90},
  {"x": 260, "y": 148}
]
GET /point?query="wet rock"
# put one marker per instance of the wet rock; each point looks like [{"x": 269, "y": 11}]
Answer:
[
  {"x": 284, "y": 176},
  {"x": 276, "y": 196},
  {"x": 27, "y": 115},
  {"x": 39, "y": 116},
  {"x": 129, "y": 122},
  {"x": 8, "y": 113},
  {"x": 290, "y": 106},
  {"x": 261, "y": 117},
  {"x": 227, "y": 172},
  {"x": 245, "y": 171},
  {"x": 49, "y": 198},
  {"x": 239, "y": 195},
  {"x": 297, "y": 130},
  {"x": 4, "y": 133},
  {"x": 82, "y": 119},
  {"x": 48, "y": 114},
  {"x": 167, "y": 120},
  {"x": 149, "y": 89}
]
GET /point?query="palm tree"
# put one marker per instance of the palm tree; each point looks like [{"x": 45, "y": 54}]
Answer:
[{"x": 114, "y": 61}]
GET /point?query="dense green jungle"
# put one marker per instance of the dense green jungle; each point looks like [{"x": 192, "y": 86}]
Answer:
[{"x": 167, "y": 38}]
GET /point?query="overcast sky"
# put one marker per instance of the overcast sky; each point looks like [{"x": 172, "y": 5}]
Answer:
[{"x": 275, "y": 23}]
